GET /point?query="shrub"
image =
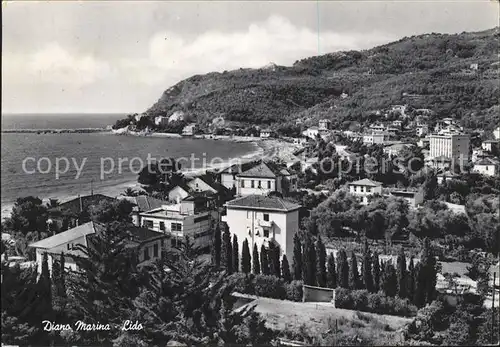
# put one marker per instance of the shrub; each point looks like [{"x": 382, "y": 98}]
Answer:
[
  {"x": 241, "y": 283},
  {"x": 362, "y": 300},
  {"x": 294, "y": 291},
  {"x": 269, "y": 286}
]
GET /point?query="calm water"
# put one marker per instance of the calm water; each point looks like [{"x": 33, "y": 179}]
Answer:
[{"x": 90, "y": 147}]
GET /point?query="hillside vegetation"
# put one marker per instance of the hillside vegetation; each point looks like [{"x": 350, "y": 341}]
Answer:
[{"x": 427, "y": 71}]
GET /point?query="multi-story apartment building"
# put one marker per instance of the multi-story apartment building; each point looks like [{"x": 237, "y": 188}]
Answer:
[
  {"x": 265, "y": 178},
  {"x": 193, "y": 217},
  {"x": 454, "y": 146},
  {"x": 263, "y": 219}
]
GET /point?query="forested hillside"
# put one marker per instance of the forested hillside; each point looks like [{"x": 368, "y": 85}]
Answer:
[{"x": 428, "y": 71}]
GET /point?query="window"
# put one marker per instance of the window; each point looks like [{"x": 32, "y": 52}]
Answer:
[
  {"x": 259, "y": 185},
  {"x": 368, "y": 189},
  {"x": 155, "y": 250},
  {"x": 266, "y": 232},
  {"x": 148, "y": 224},
  {"x": 162, "y": 226},
  {"x": 162, "y": 243},
  {"x": 176, "y": 227},
  {"x": 242, "y": 183},
  {"x": 253, "y": 184},
  {"x": 266, "y": 217},
  {"x": 146, "y": 253}
]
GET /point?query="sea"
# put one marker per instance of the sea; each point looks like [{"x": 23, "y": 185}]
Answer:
[{"x": 64, "y": 165}]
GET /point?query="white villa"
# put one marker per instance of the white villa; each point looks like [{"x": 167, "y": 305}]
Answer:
[
  {"x": 261, "y": 220},
  {"x": 487, "y": 167},
  {"x": 364, "y": 188},
  {"x": 263, "y": 179}
]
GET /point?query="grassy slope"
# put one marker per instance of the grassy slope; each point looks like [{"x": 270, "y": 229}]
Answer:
[{"x": 428, "y": 65}]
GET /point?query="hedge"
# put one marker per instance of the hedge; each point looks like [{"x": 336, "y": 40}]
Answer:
[
  {"x": 362, "y": 300},
  {"x": 266, "y": 286}
]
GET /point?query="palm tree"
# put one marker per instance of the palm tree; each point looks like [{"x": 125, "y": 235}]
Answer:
[{"x": 129, "y": 192}]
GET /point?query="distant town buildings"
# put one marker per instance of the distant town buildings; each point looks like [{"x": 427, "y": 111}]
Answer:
[
  {"x": 375, "y": 138},
  {"x": 266, "y": 133},
  {"x": 311, "y": 132},
  {"x": 263, "y": 220},
  {"x": 496, "y": 133},
  {"x": 491, "y": 145},
  {"x": 161, "y": 121},
  {"x": 324, "y": 124},
  {"x": 190, "y": 129}
]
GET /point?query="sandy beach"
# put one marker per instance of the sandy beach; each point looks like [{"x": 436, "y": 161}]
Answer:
[{"x": 266, "y": 149}]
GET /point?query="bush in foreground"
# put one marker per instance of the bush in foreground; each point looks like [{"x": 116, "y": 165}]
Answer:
[{"x": 362, "y": 300}]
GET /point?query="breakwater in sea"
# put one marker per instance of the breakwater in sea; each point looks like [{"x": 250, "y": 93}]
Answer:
[{"x": 56, "y": 131}]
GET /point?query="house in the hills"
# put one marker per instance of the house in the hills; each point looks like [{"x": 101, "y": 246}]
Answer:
[{"x": 265, "y": 178}]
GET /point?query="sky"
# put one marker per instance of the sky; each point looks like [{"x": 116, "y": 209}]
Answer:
[{"x": 119, "y": 56}]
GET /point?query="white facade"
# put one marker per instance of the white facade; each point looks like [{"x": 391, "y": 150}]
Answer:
[
  {"x": 324, "y": 124},
  {"x": 160, "y": 121},
  {"x": 487, "y": 167},
  {"x": 311, "y": 132},
  {"x": 365, "y": 188},
  {"x": 177, "y": 194},
  {"x": 490, "y": 145},
  {"x": 265, "y": 134},
  {"x": 262, "y": 225},
  {"x": 422, "y": 130},
  {"x": 190, "y": 130},
  {"x": 453, "y": 146}
]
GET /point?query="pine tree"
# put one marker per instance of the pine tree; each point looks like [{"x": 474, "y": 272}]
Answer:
[
  {"x": 285, "y": 269},
  {"x": 309, "y": 263},
  {"x": 321, "y": 263},
  {"x": 343, "y": 269},
  {"x": 264, "y": 261},
  {"x": 367, "y": 270},
  {"x": 390, "y": 280},
  {"x": 354, "y": 273},
  {"x": 245, "y": 258},
  {"x": 426, "y": 276},
  {"x": 255, "y": 260},
  {"x": 297, "y": 258},
  {"x": 216, "y": 248},
  {"x": 401, "y": 274},
  {"x": 273, "y": 256},
  {"x": 376, "y": 272},
  {"x": 331, "y": 276},
  {"x": 236, "y": 255},
  {"x": 410, "y": 280}
]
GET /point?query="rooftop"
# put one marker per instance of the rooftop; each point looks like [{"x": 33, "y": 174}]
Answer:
[
  {"x": 261, "y": 170},
  {"x": 487, "y": 161},
  {"x": 144, "y": 202},
  {"x": 366, "y": 182},
  {"x": 263, "y": 202}
]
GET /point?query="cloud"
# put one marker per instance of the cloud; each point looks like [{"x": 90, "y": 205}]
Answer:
[{"x": 54, "y": 64}]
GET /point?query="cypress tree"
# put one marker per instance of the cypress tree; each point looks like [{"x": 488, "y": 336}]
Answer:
[
  {"x": 376, "y": 272},
  {"x": 245, "y": 258},
  {"x": 401, "y": 273},
  {"x": 255, "y": 260},
  {"x": 264, "y": 261},
  {"x": 216, "y": 248},
  {"x": 420, "y": 285},
  {"x": 367, "y": 271},
  {"x": 321, "y": 263},
  {"x": 343, "y": 269},
  {"x": 410, "y": 280},
  {"x": 285, "y": 269},
  {"x": 235, "y": 255},
  {"x": 226, "y": 254},
  {"x": 429, "y": 272},
  {"x": 390, "y": 280},
  {"x": 354, "y": 273},
  {"x": 331, "y": 277},
  {"x": 297, "y": 258}
]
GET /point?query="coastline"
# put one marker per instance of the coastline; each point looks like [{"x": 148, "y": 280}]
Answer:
[{"x": 263, "y": 149}]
